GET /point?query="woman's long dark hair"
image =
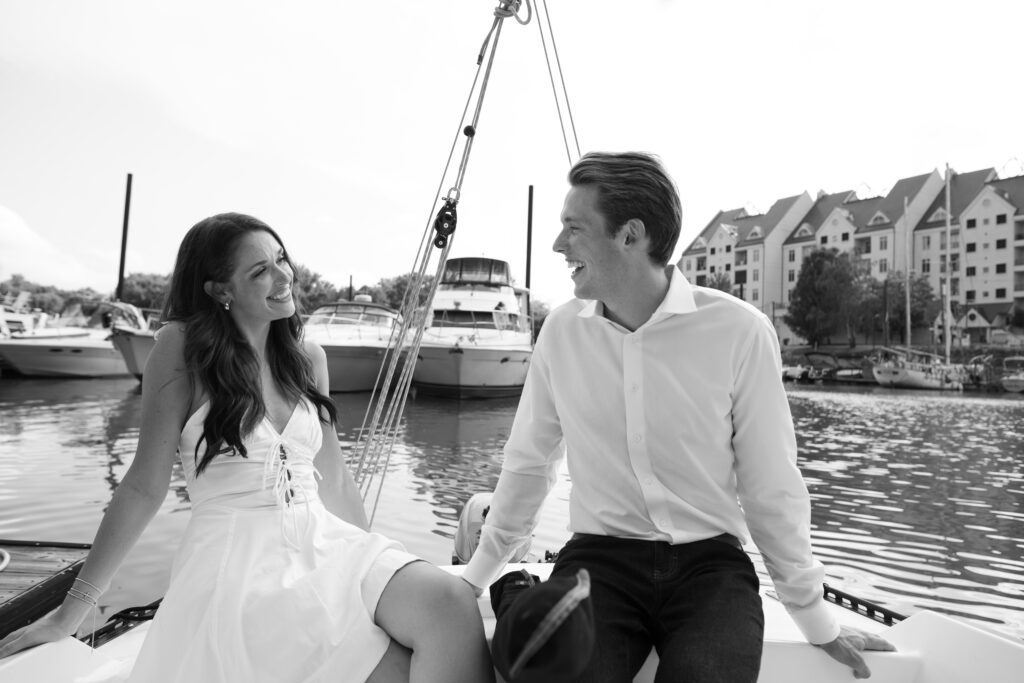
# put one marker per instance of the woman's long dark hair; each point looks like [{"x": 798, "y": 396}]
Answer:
[{"x": 216, "y": 353}]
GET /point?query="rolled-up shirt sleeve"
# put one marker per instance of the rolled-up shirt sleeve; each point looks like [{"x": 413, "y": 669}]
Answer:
[
  {"x": 771, "y": 488},
  {"x": 532, "y": 454}
]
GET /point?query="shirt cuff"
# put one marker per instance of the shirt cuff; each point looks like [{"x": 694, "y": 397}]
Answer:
[
  {"x": 482, "y": 569},
  {"x": 816, "y": 622}
]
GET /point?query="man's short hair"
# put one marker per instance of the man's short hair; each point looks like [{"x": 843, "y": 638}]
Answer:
[{"x": 634, "y": 185}]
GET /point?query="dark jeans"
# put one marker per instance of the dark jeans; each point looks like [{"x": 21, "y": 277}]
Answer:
[{"x": 697, "y": 603}]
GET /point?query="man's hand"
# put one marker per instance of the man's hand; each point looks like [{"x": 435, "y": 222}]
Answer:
[{"x": 848, "y": 645}]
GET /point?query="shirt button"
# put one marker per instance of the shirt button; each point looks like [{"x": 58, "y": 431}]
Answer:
[{"x": 638, "y": 438}]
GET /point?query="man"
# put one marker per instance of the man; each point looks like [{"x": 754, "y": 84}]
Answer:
[{"x": 667, "y": 400}]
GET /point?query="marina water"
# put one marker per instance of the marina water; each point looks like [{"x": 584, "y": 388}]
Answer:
[{"x": 916, "y": 495}]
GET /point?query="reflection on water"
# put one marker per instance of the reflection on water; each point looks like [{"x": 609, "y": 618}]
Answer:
[
  {"x": 916, "y": 497},
  {"x": 916, "y": 494}
]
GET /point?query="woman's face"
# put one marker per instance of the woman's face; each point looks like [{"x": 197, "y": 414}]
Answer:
[{"x": 260, "y": 288}]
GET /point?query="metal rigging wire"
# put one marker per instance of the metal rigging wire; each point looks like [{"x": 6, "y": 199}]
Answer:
[{"x": 382, "y": 421}]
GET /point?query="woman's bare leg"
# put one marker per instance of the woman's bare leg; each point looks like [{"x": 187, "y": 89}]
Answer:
[
  {"x": 393, "y": 666},
  {"x": 435, "y": 615}
]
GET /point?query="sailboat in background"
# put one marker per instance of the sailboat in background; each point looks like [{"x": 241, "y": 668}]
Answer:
[{"x": 911, "y": 369}]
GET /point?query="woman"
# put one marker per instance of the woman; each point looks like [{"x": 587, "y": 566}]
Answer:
[{"x": 277, "y": 578}]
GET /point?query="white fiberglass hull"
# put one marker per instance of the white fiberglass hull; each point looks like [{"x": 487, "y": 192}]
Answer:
[
  {"x": 83, "y": 355},
  {"x": 930, "y": 648},
  {"x": 353, "y": 367},
  {"x": 469, "y": 371},
  {"x": 135, "y": 347},
  {"x": 909, "y": 377},
  {"x": 1013, "y": 383}
]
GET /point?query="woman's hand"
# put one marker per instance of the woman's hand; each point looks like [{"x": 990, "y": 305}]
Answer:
[{"x": 44, "y": 630}]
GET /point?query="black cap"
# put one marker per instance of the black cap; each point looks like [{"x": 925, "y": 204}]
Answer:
[{"x": 546, "y": 634}]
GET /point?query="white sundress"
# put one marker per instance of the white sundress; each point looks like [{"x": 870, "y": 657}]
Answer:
[{"x": 268, "y": 586}]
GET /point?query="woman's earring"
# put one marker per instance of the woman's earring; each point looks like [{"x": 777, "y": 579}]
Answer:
[{"x": 227, "y": 305}]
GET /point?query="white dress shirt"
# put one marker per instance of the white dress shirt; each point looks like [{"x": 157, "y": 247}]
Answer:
[{"x": 678, "y": 432}]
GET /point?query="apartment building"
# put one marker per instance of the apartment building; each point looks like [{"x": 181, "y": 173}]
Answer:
[
  {"x": 747, "y": 249},
  {"x": 983, "y": 247}
]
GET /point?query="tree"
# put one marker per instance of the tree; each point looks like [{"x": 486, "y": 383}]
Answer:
[
  {"x": 146, "y": 290},
  {"x": 887, "y": 302},
  {"x": 720, "y": 281},
  {"x": 825, "y": 297},
  {"x": 391, "y": 291},
  {"x": 311, "y": 290}
]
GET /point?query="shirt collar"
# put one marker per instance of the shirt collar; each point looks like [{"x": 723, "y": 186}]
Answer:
[{"x": 678, "y": 299}]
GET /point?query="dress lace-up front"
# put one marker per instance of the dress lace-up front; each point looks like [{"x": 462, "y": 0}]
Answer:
[{"x": 268, "y": 585}]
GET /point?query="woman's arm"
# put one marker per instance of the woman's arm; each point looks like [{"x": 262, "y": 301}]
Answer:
[
  {"x": 337, "y": 489},
  {"x": 165, "y": 401}
]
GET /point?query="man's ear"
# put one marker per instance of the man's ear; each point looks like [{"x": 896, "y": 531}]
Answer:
[{"x": 634, "y": 230}]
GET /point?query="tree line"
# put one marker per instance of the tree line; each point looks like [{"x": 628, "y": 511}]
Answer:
[{"x": 148, "y": 291}]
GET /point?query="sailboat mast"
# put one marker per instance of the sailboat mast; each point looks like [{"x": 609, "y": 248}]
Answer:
[
  {"x": 124, "y": 239},
  {"x": 906, "y": 259},
  {"x": 947, "y": 311}
]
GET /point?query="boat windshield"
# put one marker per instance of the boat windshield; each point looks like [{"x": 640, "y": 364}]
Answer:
[
  {"x": 476, "y": 271},
  {"x": 496, "y": 320},
  {"x": 352, "y": 314}
]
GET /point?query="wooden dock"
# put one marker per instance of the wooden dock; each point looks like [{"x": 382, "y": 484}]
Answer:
[{"x": 34, "y": 579}]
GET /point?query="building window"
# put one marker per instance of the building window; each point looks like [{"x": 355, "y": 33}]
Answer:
[
  {"x": 846, "y": 237},
  {"x": 955, "y": 238},
  {"x": 942, "y": 241},
  {"x": 687, "y": 264},
  {"x": 728, "y": 248},
  {"x": 712, "y": 251},
  {"x": 972, "y": 223},
  {"x": 954, "y": 262},
  {"x": 740, "y": 278},
  {"x": 728, "y": 267},
  {"x": 926, "y": 266},
  {"x": 883, "y": 266},
  {"x": 954, "y": 287},
  {"x": 1000, "y": 244},
  {"x": 756, "y": 273},
  {"x": 883, "y": 242},
  {"x": 926, "y": 242},
  {"x": 757, "y": 255},
  {"x": 1001, "y": 293},
  {"x": 741, "y": 258},
  {"x": 970, "y": 271},
  {"x": 792, "y": 255},
  {"x": 753, "y": 295},
  {"x": 1001, "y": 219},
  {"x": 789, "y": 295},
  {"x": 1000, "y": 268},
  {"x": 702, "y": 280},
  {"x": 701, "y": 262},
  {"x": 971, "y": 247},
  {"x": 970, "y": 295},
  {"x": 824, "y": 239},
  {"x": 792, "y": 276},
  {"x": 711, "y": 269}
]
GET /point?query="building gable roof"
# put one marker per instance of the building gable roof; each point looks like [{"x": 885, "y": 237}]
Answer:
[
  {"x": 1012, "y": 190},
  {"x": 729, "y": 217},
  {"x": 963, "y": 188},
  {"x": 820, "y": 211},
  {"x": 891, "y": 207}
]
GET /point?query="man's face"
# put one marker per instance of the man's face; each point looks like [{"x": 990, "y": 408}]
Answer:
[{"x": 595, "y": 259}]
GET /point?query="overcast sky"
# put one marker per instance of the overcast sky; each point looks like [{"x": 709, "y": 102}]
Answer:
[{"x": 332, "y": 120}]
